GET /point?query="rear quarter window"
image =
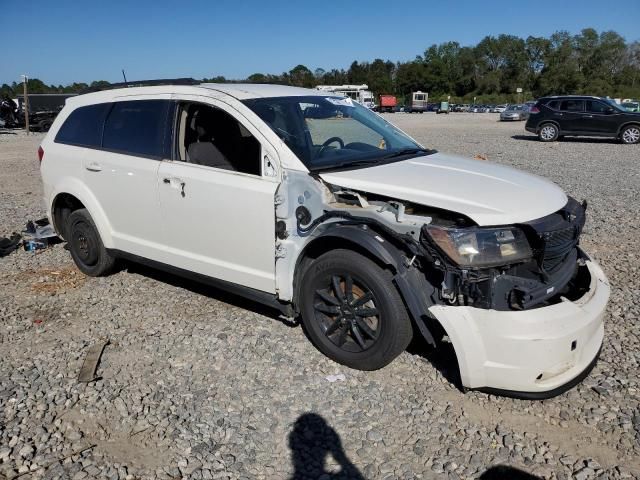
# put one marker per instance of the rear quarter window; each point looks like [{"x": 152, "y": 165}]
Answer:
[
  {"x": 137, "y": 127},
  {"x": 83, "y": 126}
]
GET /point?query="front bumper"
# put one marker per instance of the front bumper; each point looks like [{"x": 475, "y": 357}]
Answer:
[{"x": 537, "y": 353}]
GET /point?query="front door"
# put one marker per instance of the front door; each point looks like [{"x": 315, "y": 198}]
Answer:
[
  {"x": 217, "y": 206},
  {"x": 600, "y": 118}
]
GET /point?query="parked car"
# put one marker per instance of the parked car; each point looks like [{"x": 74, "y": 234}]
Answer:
[
  {"x": 442, "y": 107},
  {"x": 554, "y": 117},
  {"x": 631, "y": 106},
  {"x": 515, "y": 112},
  {"x": 500, "y": 108},
  {"x": 370, "y": 238}
]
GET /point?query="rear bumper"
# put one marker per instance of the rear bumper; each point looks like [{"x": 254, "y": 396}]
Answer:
[
  {"x": 536, "y": 353},
  {"x": 530, "y": 129}
]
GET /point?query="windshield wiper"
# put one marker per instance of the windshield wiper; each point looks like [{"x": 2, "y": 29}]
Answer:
[
  {"x": 374, "y": 160},
  {"x": 407, "y": 151}
]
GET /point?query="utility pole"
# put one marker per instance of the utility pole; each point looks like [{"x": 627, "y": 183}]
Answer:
[{"x": 26, "y": 104}]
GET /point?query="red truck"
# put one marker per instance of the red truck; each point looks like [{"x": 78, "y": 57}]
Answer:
[{"x": 388, "y": 103}]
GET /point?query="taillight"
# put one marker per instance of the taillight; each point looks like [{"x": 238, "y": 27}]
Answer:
[
  {"x": 534, "y": 109},
  {"x": 40, "y": 154}
]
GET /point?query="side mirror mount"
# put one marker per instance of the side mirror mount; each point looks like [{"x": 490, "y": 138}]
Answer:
[{"x": 609, "y": 110}]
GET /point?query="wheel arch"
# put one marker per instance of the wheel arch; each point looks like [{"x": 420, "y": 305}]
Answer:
[
  {"x": 626, "y": 124},
  {"x": 553, "y": 122},
  {"x": 71, "y": 195},
  {"x": 411, "y": 284}
]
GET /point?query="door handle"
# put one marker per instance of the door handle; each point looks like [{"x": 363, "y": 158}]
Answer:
[
  {"x": 588, "y": 116},
  {"x": 94, "y": 167}
]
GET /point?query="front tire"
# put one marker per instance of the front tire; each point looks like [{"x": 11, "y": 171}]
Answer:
[
  {"x": 85, "y": 245},
  {"x": 548, "y": 132},
  {"x": 630, "y": 135},
  {"x": 352, "y": 312}
]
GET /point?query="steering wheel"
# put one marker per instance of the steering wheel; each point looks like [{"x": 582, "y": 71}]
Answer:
[{"x": 328, "y": 142}]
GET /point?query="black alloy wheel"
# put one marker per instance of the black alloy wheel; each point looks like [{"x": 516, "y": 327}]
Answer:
[
  {"x": 347, "y": 313},
  {"x": 352, "y": 311}
]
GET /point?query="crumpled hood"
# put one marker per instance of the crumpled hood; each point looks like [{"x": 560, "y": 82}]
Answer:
[{"x": 488, "y": 193}]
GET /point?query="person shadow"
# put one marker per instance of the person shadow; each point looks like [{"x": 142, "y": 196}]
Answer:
[{"x": 311, "y": 441}]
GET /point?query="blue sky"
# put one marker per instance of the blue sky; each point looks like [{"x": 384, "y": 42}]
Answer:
[{"x": 64, "y": 41}]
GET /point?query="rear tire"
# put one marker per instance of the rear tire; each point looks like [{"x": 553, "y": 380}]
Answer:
[
  {"x": 352, "y": 312},
  {"x": 85, "y": 245},
  {"x": 548, "y": 132},
  {"x": 630, "y": 135}
]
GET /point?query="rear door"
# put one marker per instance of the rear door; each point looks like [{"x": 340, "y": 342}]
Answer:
[
  {"x": 569, "y": 115},
  {"x": 122, "y": 173}
]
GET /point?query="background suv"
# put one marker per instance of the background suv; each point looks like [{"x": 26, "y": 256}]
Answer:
[{"x": 553, "y": 117}]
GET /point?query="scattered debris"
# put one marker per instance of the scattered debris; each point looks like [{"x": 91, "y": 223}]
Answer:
[
  {"x": 39, "y": 229},
  {"x": 480, "y": 156},
  {"x": 38, "y": 235},
  {"x": 9, "y": 245},
  {"x": 90, "y": 365},
  {"x": 335, "y": 378}
]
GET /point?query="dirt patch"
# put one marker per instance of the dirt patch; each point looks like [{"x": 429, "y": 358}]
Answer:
[{"x": 50, "y": 281}]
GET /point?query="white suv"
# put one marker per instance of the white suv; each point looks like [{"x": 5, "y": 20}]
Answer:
[{"x": 313, "y": 204}]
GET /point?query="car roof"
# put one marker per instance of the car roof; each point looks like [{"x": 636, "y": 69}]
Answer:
[
  {"x": 241, "y": 91},
  {"x": 576, "y": 97}
]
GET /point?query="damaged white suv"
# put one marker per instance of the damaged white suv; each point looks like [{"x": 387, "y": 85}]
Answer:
[{"x": 315, "y": 205}]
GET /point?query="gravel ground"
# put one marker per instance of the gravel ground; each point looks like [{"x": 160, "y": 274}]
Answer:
[{"x": 199, "y": 384}]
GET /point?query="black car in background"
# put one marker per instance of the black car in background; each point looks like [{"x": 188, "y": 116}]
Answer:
[{"x": 554, "y": 117}]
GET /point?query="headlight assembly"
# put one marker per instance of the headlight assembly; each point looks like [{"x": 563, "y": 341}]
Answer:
[{"x": 481, "y": 247}]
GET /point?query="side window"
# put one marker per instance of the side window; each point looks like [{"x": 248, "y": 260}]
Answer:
[
  {"x": 554, "y": 104},
  {"x": 137, "y": 127},
  {"x": 210, "y": 136},
  {"x": 572, "y": 105},
  {"x": 83, "y": 126},
  {"x": 595, "y": 106}
]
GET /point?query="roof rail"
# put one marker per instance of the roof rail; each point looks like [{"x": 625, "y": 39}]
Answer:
[{"x": 144, "y": 83}]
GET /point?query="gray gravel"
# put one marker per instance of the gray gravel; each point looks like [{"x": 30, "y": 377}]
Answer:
[{"x": 198, "y": 384}]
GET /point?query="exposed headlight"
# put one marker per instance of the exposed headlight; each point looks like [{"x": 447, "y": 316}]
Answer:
[{"x": 481, "y": 247}]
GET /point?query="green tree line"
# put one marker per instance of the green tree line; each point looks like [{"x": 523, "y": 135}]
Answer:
[{"x": 589, "y": 62}]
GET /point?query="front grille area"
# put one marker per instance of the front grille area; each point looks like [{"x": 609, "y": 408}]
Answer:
[
  {"x": 561, "y": 235},
  {"x": 557, "y": 245}
]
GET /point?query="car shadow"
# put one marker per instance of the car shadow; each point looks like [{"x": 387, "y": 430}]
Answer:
[
  {"x": 442, "y": 356},
  {"x": 311, "y": 441},
  {"x": 534, "y": 138},
  {"x": 505, "y": 472},
  {"x": 208, "y": 291}
]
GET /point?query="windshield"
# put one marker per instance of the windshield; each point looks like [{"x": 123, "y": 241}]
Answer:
[
  {"x": 334, "y": 132},
  {"x": 515, "y": 108}
]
